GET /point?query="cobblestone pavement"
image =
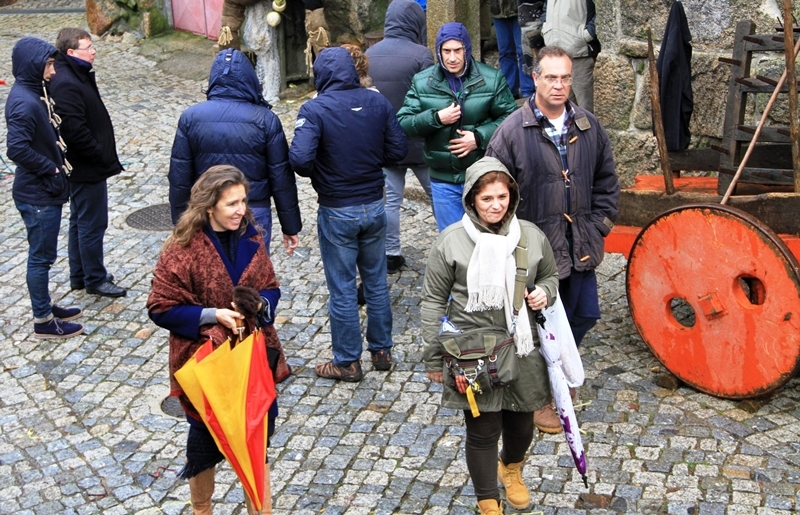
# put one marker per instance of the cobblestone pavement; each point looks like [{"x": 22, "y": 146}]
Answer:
[{"x": 82, "y": 431}]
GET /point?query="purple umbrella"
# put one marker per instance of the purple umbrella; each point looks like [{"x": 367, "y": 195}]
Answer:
[{"x": 551, "y": 351}]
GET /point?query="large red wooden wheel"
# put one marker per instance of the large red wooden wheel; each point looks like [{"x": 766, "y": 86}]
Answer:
[{"x": 716, "y": 296}]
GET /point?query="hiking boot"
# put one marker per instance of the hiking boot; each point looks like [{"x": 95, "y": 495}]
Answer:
[
  {"x": 394, "y": 263},
  {"x": 351, "y": 373},
  {"x": 517, "y": 493},
  {"x": 66, "y": 314},
  {"x": 546, "y": 420},
  {"x": 382, "y": 359},
  {"x": 490, "y": 507},
  {"x": 56, "y": 328}
]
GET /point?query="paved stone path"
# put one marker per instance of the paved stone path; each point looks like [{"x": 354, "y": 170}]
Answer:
[{"x": 82, "y": 431}]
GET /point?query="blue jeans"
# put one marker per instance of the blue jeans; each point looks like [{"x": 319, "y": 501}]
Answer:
[
  {"x": 351, "y": 237},
  {"x": 42, "y": 224},
  {"x": 88, "y": 221},
  {"x": 447, "y": 203},
  {"x": 395, "y": 186},
  {"x": 509, "y": 46},
  {"x": 263, "y": 216}
]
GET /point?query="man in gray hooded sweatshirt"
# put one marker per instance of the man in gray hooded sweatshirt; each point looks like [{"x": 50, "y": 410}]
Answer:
[{"x": 392, "y": 63}]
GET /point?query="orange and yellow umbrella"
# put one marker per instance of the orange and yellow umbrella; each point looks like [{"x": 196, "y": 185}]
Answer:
[{"x": 232, "y": 388}]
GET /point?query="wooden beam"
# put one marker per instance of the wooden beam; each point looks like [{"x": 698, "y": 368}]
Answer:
[
  {"x": 791, "y": 84},
  {"x": 658, "y": 122}
]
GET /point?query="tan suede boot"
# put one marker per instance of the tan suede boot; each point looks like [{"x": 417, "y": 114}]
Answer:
[
  {"x": 201, "y": 488},
  {"x": 517, "y": 493},
  {"x": 546, "y": 420},
  {"x": 490, "y": 507},
  {"x": 266, "y": 503}
]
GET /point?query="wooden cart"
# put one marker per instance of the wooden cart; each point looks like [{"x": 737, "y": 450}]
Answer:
[{"x": 714, "y": 288}]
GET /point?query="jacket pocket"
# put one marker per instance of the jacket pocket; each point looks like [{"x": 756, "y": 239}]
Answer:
[{"x": 55, "y": 185}]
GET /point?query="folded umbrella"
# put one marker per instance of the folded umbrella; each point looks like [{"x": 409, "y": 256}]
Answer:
[
  {"x": 550, "y": 349},
  {"x": 232, "y": 388}
]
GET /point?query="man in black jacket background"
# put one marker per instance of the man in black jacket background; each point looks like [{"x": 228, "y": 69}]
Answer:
[
  {"x": 393, "y": 62},
  {"x": 92, "y": 151}
]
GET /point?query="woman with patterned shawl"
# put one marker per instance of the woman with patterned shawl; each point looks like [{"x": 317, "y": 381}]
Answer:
[{"x": 213, "y": 272}]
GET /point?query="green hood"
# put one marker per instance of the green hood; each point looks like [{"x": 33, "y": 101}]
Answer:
[{"x": 477, "y": 170}]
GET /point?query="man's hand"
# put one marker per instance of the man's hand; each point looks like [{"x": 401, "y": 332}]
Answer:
[
  {"x": 463, "y": 145},
  {"x": 450, "y": 115},
  {"x": 291, "y": 243},
  {"x": 435, "y": 377}
]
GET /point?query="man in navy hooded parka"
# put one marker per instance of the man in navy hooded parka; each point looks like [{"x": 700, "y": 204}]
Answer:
[
  {"x": 236, "y": 126},
  {"x": 342, "y": 139},
  {"x": 40, "y": 180}
]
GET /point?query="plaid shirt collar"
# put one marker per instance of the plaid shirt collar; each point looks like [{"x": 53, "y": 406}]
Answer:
[{"x": 557, "y": 137}]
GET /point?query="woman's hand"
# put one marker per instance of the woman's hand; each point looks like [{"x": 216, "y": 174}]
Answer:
[
  {"x": 435, "y": 377},
  {"x": 228, "y": 318},
  {"x": 537, "y": 299}
]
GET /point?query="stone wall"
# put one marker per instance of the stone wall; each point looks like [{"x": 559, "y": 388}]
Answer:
[
  {"x": 141, "y": 18},
  {"x": 622, "y": 93},
  {"x": 622, "y": 101}
]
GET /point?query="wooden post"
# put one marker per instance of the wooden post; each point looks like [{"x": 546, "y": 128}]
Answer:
[
  {"x": 467, "y": 12},
  {"x": 658, "y": 123},
  {"x": 791, "y": 83}
]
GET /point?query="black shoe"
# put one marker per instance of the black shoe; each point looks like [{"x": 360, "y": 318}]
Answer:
[
  {"x": 107, "y": 289},
  {"x": 394, "y": 263},
  {"x": 382, "y": 360},
  {"x": 79, "y": 285},
  {"x": 66, "y": 314},
  {"x": 361, "y": 299}
]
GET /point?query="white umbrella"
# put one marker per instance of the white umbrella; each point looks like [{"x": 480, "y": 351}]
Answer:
[{"x": 550, "y": 349}]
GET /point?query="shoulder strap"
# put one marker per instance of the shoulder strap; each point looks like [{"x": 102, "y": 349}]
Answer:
[{"x": 521, "y": 277}]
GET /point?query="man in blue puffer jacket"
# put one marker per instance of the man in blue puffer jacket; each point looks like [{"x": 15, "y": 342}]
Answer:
[
  {"x": 342, "y": 139},
  {"x": 236, "y": 126},
  {"x": 40, "y": 180}
]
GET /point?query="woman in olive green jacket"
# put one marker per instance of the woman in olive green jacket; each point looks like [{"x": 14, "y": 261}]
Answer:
[{"x": 457, "y": 271}]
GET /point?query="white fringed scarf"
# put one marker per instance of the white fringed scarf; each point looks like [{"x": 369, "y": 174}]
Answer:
[{"x": 490, "y": 285}]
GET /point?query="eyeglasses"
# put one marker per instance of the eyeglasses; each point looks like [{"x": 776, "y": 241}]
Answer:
[
  {"x": 552, "y": 80},
  {"x": 86, "y": 49}
]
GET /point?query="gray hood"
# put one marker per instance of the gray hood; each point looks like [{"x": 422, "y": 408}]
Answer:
[
  {"x": 405, "y": 19},
  {"x": 478, "y": 169}
]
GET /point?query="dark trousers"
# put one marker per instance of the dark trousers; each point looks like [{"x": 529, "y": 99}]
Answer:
[
  {"x": 578, "y": 293},
  {"x": 88, "y": 220},
  {"x": 483, "y": 433}
]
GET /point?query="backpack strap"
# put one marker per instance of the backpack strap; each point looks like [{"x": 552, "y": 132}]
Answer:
[{"x": 521, "y": 276}]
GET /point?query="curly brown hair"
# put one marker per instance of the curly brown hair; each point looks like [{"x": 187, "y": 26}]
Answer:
[{"x": 361, "y": 61}]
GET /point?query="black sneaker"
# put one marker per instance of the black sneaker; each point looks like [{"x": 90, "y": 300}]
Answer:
[
  {"x": 79, "y": 284},
  {"x": 56, "y": 328},
  {"x": 351, "y": 373},
  {"x": 66, "y": 314},
  {"x": 394, "y": 263},
  {"x": 107, "y": 289},
  {"x": 382, "y": 359}
]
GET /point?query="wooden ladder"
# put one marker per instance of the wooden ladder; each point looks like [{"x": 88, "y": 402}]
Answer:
[{"x": 771, "y": 164}]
